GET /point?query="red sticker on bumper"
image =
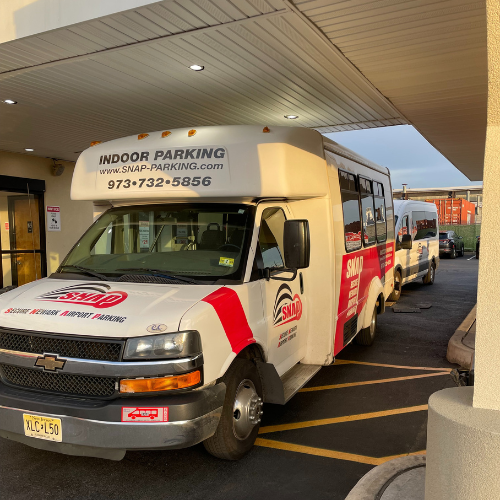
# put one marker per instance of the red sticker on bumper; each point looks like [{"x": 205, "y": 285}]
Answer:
[{"x": 144, "y": 414}]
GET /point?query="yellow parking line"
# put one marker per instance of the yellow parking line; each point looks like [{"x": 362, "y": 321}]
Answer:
[
  {"x": 337, "y": 420},
  {"x": 369, "y": 382},
  {"x": 321, "y": 452},
  {"x": 349, "y": 362}
]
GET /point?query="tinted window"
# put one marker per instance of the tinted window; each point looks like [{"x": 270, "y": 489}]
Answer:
[
  {"x": 368, "y": 212},
  {"x": 431, "y": 220},
  {"x": 419, "y": 225},
  {"x": 350, "y": 208},
  {"x": 443, "y": 236},
  {"x": 271, "y": 237},
  {"x": 380, "y": 212}
]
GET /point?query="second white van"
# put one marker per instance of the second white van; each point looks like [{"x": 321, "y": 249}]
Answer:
[{"x": 417, "y": 243}]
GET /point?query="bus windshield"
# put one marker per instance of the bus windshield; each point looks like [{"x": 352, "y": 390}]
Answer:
[{"x": 201, "y": 241}]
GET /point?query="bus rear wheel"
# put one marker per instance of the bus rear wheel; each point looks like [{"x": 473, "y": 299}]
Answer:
[{"x": 366, "y": 336}]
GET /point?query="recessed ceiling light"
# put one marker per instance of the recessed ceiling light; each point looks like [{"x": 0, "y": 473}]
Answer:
[
  {"x": 197, "y": 67},
  {"x": 291, "y": 117},
  {"x": 9, "y": 101},
  {"x": 29, "y": 149}
]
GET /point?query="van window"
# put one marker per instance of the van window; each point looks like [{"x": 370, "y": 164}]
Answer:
[
  {"x": 419, "y": 225},
  {"x": 367, "y": 211},
  {"x": 431, "y": 224},
  {"x": 271, "y": 231},
  {"x": 381, "y": 221},
  {"x": 350, "y": 209}
]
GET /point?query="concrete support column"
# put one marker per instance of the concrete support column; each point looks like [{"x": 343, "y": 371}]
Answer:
[
  {"x": 463, "y": 441},
  {"x": 487, "y": 375}
]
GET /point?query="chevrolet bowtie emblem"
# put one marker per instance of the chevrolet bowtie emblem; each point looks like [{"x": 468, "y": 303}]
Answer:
[{"x": 50, "y": 363}]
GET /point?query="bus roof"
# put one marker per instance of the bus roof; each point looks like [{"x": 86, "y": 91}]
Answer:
[{"x": 237, "y": 162}]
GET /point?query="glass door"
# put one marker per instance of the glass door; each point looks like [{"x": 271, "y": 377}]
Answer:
[{"x": 21, "y": 246}]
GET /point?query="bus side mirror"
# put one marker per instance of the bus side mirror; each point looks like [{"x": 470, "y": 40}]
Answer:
[
  {"x": 296, "y": 242},
  {"x": 406, "y": 241}
]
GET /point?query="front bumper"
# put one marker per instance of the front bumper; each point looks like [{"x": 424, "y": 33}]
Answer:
[{"x": 94, "y": 428}]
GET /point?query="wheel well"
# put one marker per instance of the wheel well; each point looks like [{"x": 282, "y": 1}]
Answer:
[
  {"x": 380, "y": 304},
  {"x": 252, "y": 351}
]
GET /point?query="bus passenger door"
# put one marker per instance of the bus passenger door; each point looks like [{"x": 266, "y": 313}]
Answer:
[{"x": 283, "y": 301}]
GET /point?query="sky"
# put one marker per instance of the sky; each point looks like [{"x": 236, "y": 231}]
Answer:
[{"x": 409, "y": 157}]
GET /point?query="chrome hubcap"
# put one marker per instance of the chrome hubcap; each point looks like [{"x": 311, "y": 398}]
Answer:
[{"x": 247, "y": 409}]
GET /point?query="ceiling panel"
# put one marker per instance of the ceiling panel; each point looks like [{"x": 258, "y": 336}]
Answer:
[
  {"x": 428, "y": 57},
  {"x": 262, "y": 61}
]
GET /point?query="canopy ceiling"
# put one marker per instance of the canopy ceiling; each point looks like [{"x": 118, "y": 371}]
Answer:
[{"x": 338, "y": 64}]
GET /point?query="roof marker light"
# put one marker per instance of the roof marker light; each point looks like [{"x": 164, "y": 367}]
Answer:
[
  {"x": 191, "y": 133},
  {"x": 291, "y": 117},
  {"x": 165, "y": 134},
  {"x": 266, "y": 130},
  {"x": 142, "y": 136},
  {"x": 95, "y": 143},
  {"x": 196, "y": 67},
  {"x": 9, "y": 101}
]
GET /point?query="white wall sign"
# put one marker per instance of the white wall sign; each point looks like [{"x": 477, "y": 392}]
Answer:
[{"x": 53, "y": 218}]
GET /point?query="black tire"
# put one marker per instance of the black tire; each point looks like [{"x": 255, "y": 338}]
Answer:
[
  {"x": 428, "y": 279},
  {"x": 225, "y": 443},
  {"x": 463, "y": 251},
  {"x": 396, "y": 292},
  {"x": 453, "y": 254},
  {"x": 366, "y": 336}
]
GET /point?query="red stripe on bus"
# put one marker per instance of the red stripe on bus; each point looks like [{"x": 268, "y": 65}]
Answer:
[{"x": 228, "y": 307}]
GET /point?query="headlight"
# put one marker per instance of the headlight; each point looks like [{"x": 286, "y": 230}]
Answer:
[{"x": 169, "y": 345}]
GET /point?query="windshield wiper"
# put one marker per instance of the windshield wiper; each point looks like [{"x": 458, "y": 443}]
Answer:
[
  {"x": 88, "y": 271},
  {"x": 161, "y": 274}
]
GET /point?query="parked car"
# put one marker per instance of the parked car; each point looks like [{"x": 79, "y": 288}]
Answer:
[
  {"x": 478, "y": 239},
  {"x": 451, "y": 244}
]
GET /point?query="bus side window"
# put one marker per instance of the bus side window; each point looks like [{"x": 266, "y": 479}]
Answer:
[
  {"x": 350, "y": 208},
  {"x": 381, "y": 222},
  {"x": 368, "y": 212}
]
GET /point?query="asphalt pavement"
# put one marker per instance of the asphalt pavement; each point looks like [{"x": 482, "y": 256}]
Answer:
[{"x": 366, "y": 409}]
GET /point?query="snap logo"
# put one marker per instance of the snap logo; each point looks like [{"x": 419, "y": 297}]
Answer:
[
  {"x": 286, "y": 307},
  {"x": 157, "y": 328},
  {"x": 98, "y": 296}
]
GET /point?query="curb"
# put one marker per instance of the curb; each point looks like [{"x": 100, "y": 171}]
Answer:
[
  {"x": 458, "y": 352},
  {"x": 373, "y": 484}
]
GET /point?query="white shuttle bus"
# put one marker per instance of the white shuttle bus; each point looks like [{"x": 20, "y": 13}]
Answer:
[{"x": 227, "y": 265}]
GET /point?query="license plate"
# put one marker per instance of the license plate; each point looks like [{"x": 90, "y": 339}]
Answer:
[{"x": 42, "y": 427}]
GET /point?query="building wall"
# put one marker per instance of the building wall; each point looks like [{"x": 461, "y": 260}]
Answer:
[{"x": 76, "y": 216}]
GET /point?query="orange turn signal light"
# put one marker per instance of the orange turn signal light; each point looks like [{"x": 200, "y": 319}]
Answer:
[
  {"x": 266, "y": 130},
  {"x": 191, "y": 133},
  {"x": 95, "y": 143},
  {"x": 160, "y": 384},
  {"x": 165, "y": 134},
  {"x": 142, "y": 136}
]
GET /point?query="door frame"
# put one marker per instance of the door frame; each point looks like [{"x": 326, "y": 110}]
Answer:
[{"x": 22, "y": 186}]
